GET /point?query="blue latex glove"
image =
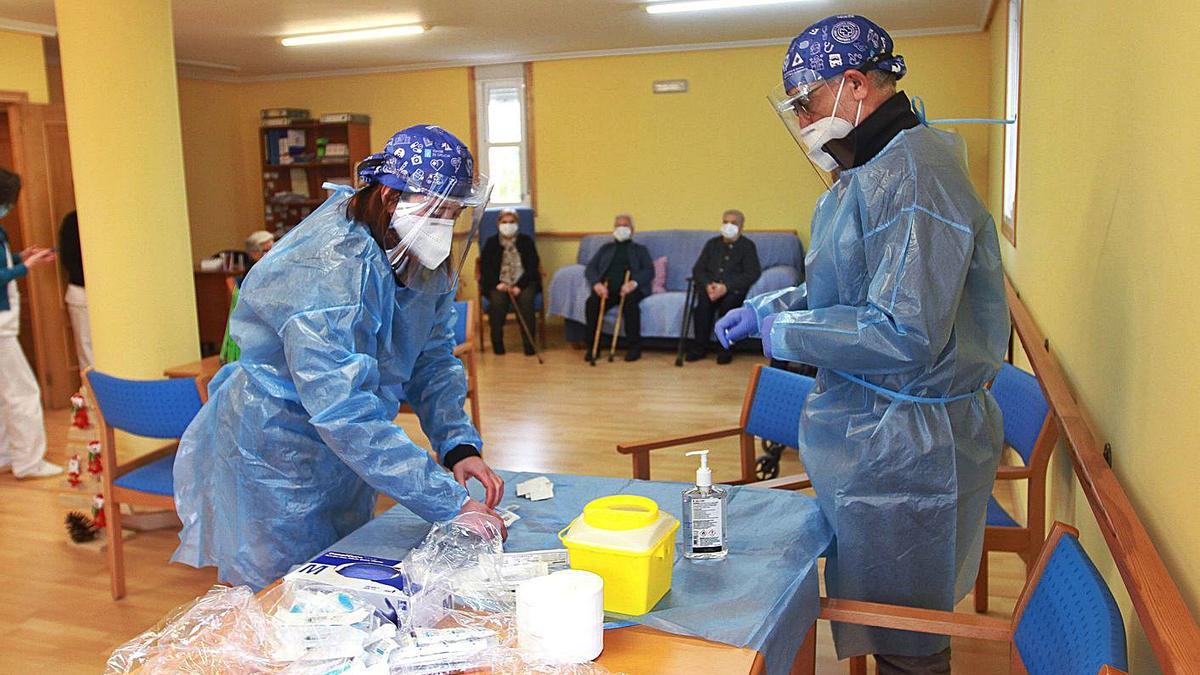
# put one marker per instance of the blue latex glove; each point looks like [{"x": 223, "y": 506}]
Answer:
[
  {"x": 765, "y": 330},
  {"x": 737, "y": 324}
]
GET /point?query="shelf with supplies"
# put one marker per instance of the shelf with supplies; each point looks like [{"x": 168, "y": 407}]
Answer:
[{"x": 324, "y": 151}]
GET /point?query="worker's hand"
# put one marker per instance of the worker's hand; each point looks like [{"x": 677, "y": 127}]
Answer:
[
  {"x": 514, "y": 290},
  {"x": 718, "y": 291},
  {"x": 600, "y": 290},
  {"x": 628, "y": 287},
  {"x": 502, "y": 287},
  {"x": 475, "y": 467},
  {"x": 479, "y": 518},
  {"x": 735, "y": 325},
  {"x": 36, "y": 255}
]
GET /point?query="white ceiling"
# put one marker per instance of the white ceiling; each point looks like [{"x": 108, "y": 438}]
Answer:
[{"x": 245, "y": 34}]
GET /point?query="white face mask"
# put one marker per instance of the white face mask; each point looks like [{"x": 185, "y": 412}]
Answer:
[
  {"x": 816, "y": 135},
  {"x": 429, "y": 239},
  {"x": 729, "y": 230},
  {"x": 622, "y": 233},
  {"x": 508, "y": 229}
]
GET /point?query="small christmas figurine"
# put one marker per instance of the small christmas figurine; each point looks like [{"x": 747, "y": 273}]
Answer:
[
  {"x": 73, "y": 470},
  {"x": 79, "y": 414},
  {"x": 98, "y": 511},
  {"x": 94, "y": 467}
]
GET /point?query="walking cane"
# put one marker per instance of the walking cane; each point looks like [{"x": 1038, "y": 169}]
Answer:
[
  {"x": 687, "y": 320},
  {"x": 599, "y": 325},
  {"x": 524, "y": 326},
  {"x": 617, "y": 328}
]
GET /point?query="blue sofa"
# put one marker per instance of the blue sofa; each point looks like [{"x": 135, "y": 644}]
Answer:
[{"x": 781, "y": 255}]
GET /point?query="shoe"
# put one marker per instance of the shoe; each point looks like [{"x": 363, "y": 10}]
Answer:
[
  {"x": 587, "y": 356},
  {"x": 43, "y": 470},
  {"x": 724, "y": 357},
  {"x": 694, "y": 355},
  {"x": 529, "y": 351},
  {"x": 633, "y": 354},
  {"x": 498, "y": 348}
]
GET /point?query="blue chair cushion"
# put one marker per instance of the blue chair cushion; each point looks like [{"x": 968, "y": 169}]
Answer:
[
  {"x": 1023, "y": 407},
  {"x": 1071, "y": 623},
  {"x": 997, "y": 516},
  {"x": 150, "y": 408},
  {"x": 156, "y": 478},
  {"x": 778, "y": 401}
]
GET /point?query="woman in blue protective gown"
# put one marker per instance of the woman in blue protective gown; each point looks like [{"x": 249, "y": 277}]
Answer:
[
  {"x": 351, "y": 314},
  {"x": 903, "y": 313}
]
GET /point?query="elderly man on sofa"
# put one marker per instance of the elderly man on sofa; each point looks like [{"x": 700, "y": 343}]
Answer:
[
  {"x": 723, "y": 274},
  {"x": 606, "y": 274}
]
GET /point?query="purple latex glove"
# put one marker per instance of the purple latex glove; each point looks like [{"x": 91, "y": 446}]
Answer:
[
  {"x": 737, "y": 324},
  {"x": 765, "y": 330}
]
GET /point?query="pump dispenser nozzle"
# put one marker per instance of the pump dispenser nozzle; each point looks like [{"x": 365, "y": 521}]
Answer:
[{"x": 703, "y": 474}]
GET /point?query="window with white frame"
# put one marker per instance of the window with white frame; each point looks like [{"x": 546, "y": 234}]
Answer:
[{"x": 500, "y": 97}]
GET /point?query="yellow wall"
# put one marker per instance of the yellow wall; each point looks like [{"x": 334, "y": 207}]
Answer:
[
  {"x": 24, "y": 65},
  {"x": 221, "y": 145},
  {"x": 1106, "y": 257},
  {"x": 607, "y": 144}
]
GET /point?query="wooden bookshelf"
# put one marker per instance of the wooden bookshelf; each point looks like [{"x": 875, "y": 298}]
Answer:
[{"x": 305, "y": 177}]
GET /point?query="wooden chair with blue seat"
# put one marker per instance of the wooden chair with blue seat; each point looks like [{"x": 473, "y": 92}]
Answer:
[
  {"x": 1066, "y": 621},
  {"x": 488, "y": 228},
  {"x": 1031, "y": 431},
  {"x": 770, "y": 411},
  {"x": 464, "y": 349},
  {"x": 159, "y": 409}
]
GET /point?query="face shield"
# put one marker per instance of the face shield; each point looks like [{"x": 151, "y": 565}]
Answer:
[
  {"x": 794, "y": 96},
  {"x": 432, "y": 229}
]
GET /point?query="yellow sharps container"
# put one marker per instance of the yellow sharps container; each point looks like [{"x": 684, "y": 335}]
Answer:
[{"x": 630, "y": 543}]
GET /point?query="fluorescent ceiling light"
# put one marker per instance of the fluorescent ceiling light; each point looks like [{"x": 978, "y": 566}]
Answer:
[
  {"x": 353, "y": 35},
  {"x": 703, "y": 5}
]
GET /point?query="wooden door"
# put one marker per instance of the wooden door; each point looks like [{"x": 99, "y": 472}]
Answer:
[{"x": 38, "y": 138}]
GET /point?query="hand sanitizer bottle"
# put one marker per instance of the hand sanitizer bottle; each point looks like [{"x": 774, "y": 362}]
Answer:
[{"x": 704, "y": 515}]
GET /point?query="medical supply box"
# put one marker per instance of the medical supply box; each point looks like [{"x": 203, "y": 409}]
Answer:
[
  {"x": 380, "y": 580},
  {"x": 630, "y": 543}
]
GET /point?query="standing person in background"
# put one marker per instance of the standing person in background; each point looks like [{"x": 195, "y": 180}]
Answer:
[
  {"x": 606, "y": 272},
  {"x": 76, "y": 298},
  {"x": 509, "y": 275},
  {"x": 723, "y": 274},
  {"x": 22, "y": 431}
]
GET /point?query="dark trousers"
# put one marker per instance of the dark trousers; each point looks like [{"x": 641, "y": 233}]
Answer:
[
  {"x": 707, "y": 312},
  {"x": 631, "y": 320},
  {"x": 934, "y": 664},
  {"x": 499, "y": 305}
]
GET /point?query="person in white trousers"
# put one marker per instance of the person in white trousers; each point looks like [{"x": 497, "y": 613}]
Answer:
[
  {"x": 72, "y": 261},
  {"x": 22, "y": 430}
]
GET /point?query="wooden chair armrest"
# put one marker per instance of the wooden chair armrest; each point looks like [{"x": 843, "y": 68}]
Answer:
[
  {"x": 461, "y": 350},
  {"x": 655, "y": 444},
  {"x": 977, "y": 626},
  {"x": 799, "y": 481},
  {"x": 1013, "y": 473},
  {"x": 148, "y": 458}
]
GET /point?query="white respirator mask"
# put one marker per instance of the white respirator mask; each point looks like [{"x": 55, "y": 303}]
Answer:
[
  {"x": 729, "y": 230},
  {"x": 814, "y": 136},
  {"x": 427, "y": 239},
  {"x": 622, "y": 233},
  {"x": 507, "y": 229}
]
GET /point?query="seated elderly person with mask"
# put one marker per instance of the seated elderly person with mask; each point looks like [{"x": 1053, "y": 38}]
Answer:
[
  {"x": 257, "y": 245},
  {"x": 606, "y": 273},
  {"x": 726, "y": 269},
  {"x": 508, "y": 266}
]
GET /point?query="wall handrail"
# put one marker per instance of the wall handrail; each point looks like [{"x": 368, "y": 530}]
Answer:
[{"x": 1169, "y": 625}]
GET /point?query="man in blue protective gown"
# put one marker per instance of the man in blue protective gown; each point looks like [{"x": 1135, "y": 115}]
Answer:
[
  {"x": 351, "y": 314},
  {"x": 904, "y": 315}
]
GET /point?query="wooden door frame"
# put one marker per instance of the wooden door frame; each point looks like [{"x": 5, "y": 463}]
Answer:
[{"x": 53, "y": 358}]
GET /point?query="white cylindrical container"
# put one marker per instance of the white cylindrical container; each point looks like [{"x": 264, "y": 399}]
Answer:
[{"x": 560, "y": 617}]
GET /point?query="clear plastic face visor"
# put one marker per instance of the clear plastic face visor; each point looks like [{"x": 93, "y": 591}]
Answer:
[
  {"x": 790, "y": 100},
  {"x": 433, "y": 230}
]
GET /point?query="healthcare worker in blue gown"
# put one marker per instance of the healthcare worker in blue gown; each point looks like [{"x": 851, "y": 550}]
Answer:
[
  {"x": 904, "y": 315},
  {"x": 351, "y": 314}
]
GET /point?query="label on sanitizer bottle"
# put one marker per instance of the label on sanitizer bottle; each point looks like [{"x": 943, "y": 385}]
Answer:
[{"x": 706, "y": 525}]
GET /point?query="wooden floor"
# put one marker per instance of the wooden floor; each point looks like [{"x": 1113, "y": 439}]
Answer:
[{"x": 564, "y": 416}]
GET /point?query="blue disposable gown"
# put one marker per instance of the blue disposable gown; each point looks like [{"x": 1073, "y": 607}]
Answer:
[
  {"x": 298, "y": 435},
  {"x": 904, "y": 315}
]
